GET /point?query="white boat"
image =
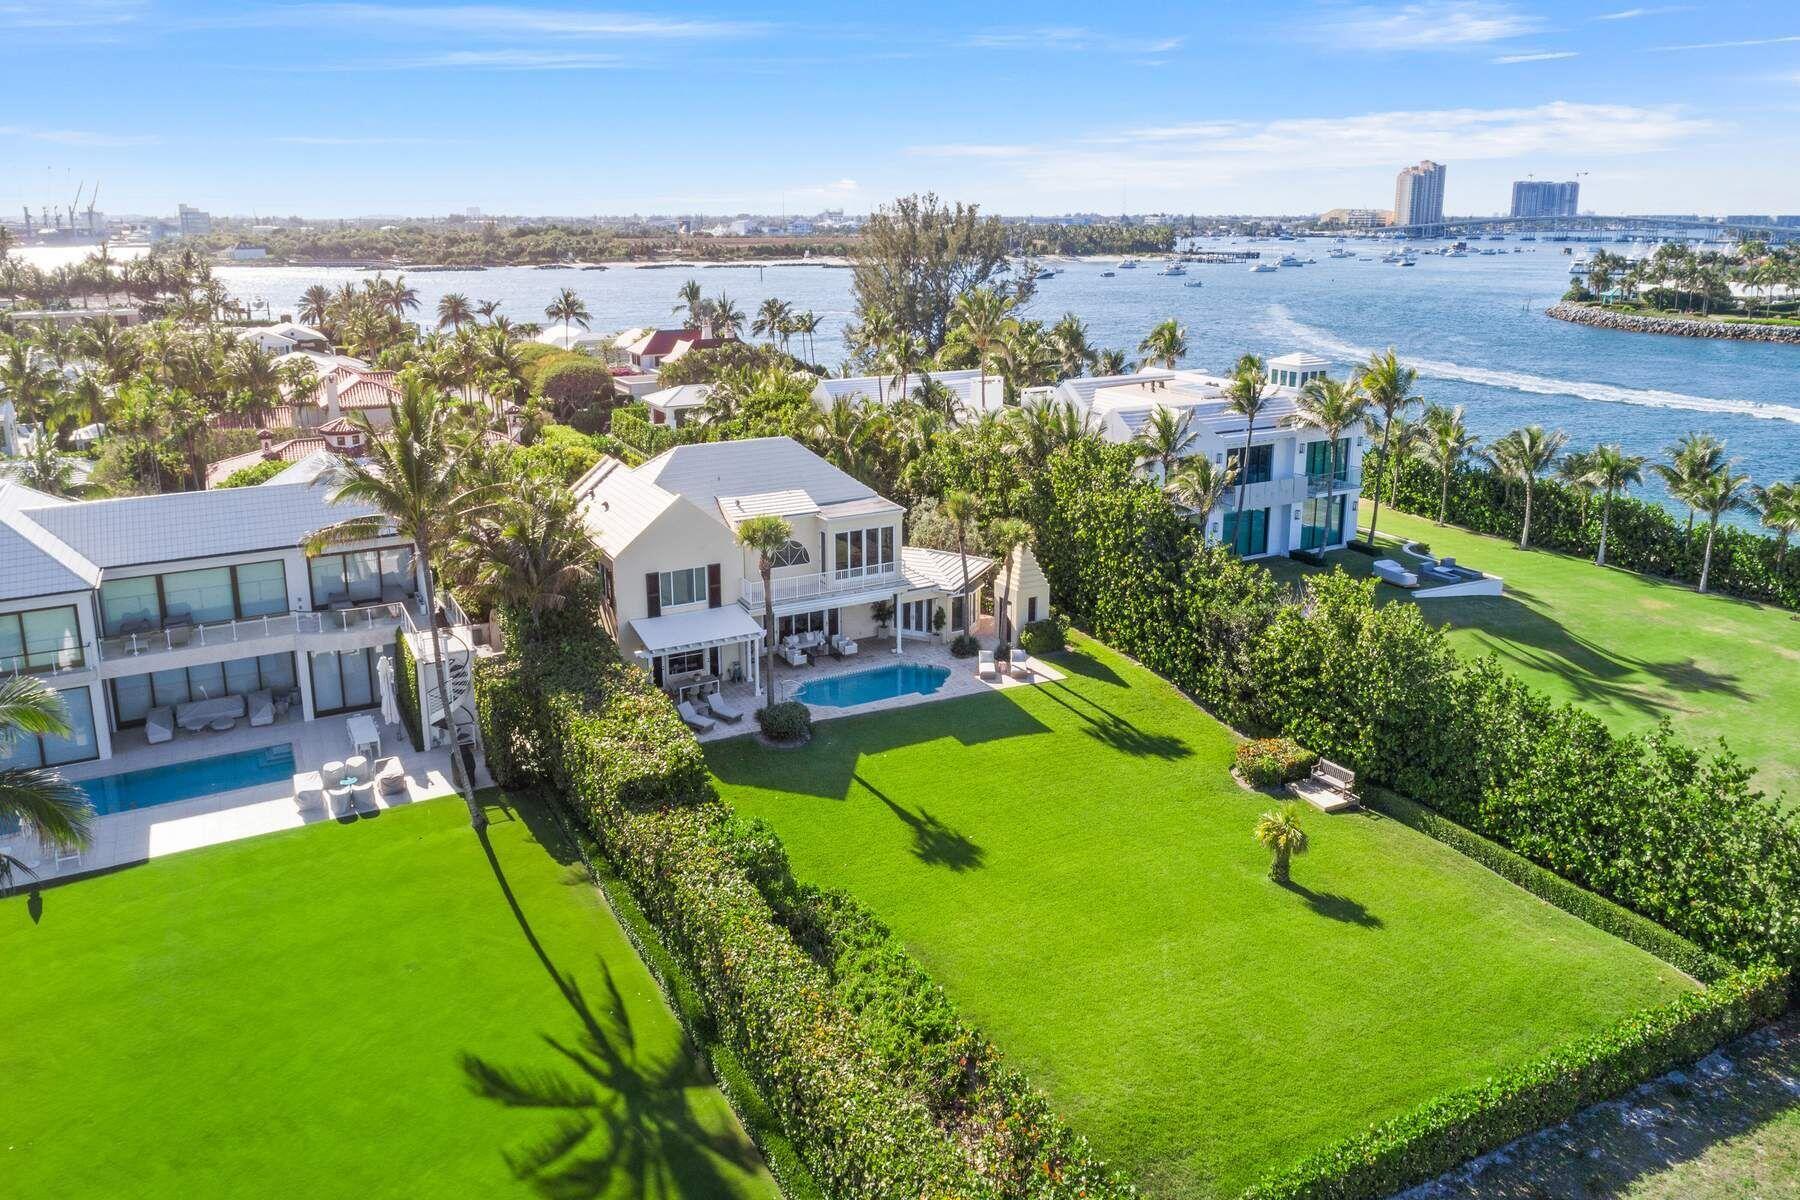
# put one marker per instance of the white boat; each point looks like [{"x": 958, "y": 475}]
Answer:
[
  {"x": 1579, "y": 267},
  {"x": 1129, "y": 264},
  {"x": 1173, "y": 268},
  {"x": 1290, "y": 260},
  {"x": 1392, "y": 257},
  {"x": 1340, "y": 252},
  {"x": 1263, "y": 268}
]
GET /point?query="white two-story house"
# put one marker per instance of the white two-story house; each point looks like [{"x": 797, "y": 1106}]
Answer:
[
  {"x": 970, "y": 391},
  {"x": 1294, "y": 497},
  {"x": 164, "y": 617},
  {"x": 684, "y": 598}
]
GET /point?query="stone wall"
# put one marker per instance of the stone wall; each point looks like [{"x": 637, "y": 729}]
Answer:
[{"x": 1583, "y": 314}]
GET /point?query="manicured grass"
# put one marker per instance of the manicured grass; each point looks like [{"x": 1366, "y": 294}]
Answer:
[
  {"x": 1074, "y": 864},
  {"x": 1628, "y": 648},
  {"x": 290, "y": 1016}
]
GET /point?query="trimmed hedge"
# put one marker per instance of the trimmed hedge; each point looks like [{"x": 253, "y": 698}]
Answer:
[
  {"x": 1442, "y": 1133},
  {"x": 567, "y": 712},
  {"x": 788, "y": 721},
  {"x": 406, "y": 690},
  {"x": 1552, "y": 888},
  {"x": 1046, "y": 636}
]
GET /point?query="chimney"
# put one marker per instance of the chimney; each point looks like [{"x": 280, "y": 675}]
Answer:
[
  {"x": 331, "y": 398},
  {"x": 706, "y": 331}
]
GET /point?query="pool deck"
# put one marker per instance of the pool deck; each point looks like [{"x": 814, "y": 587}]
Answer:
[
  {"x": 124, "y": 838},
  {"x": 924, "y": 652}
]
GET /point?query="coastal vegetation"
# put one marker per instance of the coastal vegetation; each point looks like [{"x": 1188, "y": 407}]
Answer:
[{"x": 1751, "y": 291}]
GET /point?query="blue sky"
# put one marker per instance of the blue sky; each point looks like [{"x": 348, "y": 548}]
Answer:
[{"x": 343, "y": 109}]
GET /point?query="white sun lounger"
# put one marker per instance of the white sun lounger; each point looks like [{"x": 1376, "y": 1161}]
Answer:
[
  {"x": 694, "y": 717},
  {"x": 262, "y": 708},
  {"x": 984, "y": 664},
  {"x": 726, "y": 710}
]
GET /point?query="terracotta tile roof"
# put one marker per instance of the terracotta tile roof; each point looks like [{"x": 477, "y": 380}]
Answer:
[{"x": 292, "y": 450}]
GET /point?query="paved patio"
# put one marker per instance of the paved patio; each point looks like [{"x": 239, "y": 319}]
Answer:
[
  {"x": 130, "y": 837},
  {"x": 875, "y": 653}
]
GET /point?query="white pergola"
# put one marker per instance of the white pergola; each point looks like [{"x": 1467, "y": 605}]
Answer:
[{"x": 703, "y": 629}]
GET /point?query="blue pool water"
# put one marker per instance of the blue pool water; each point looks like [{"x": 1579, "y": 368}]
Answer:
[
  {"x": 881, "y": 683},
  {"x": 183, "y": 781}
]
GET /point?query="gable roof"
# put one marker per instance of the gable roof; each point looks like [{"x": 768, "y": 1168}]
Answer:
[
  {"x": 704, "y": 471},
  {"x": 787, "y": 502},
  {"x": 965, "y": 386},
  {"x": 32, "y": 563},
  {"x": 617, "y": 504}
]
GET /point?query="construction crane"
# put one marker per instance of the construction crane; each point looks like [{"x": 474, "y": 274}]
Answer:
[
  {"x": 77, "y": 204},
  {"x": 92, "y": 197}
]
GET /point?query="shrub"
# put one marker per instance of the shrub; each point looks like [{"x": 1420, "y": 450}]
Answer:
[
  {"x": 1045, "y": 636},
  {"x": 788, "y": 721},
  {"x": 965, "y": 645},
  {"x": 254, "y": 474},
  {"x": 1272, "y": 762},
  {"x": 574, "y": 387},
  {"x": 406, "y": 690}
]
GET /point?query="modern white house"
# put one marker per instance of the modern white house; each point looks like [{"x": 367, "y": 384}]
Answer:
[
  {"x": 286, "y": 337},
  {"x": 1293, "y": 497},
  {"x": 175, "y": 617},
  {"x": 973, "y": 394},
  {"x": 686, "y": 600}
]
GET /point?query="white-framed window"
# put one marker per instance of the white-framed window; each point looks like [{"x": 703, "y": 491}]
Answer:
[
  {"x": 863, "y": 552},
  {"x": 791, "y": 555},
  {"x": 685, "y": 664},
  {"x": 686, "y": 586}
]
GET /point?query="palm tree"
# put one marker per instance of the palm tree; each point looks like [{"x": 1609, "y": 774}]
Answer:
[
  {"x": 569, "y": 310},
  {"x": 1073, "y": 354},
  {"x": 1572, "y": 471},
  {"x": 726, "y": 317},
  {"x": 767, "y": 535},
  {"x": 1778, "y": 505},
  {"x": 806, "y": 324},
  {"x": 1612, "y": 471},
  {"x": 1389, "y": 388},
  {"x": 903, "y": 354},
  {"x": 315, "y": 304},
  {"x": 1692, "y": 460},
  {"x": 531, "y": 550},
  {"x": 772, "y": 320},
  {"x": 1201, "y": 485},
  {"x": 1006, "y": 535},
  {"x": 690, "y": 299},
  {"x": 485, "y": 309},
  {"x": 1330, "y": 406},
  {"x": 1110, "y": 362},
  {"x": 1280, "y": 834},
  {"x": 41, "y": 801},
  {"x": 453, "y": 310},
  {"x": 1166, "y": 344},
  {"x": 45, "y": 468},
  {"x": 1444, "y": 442},
  {"x": 1244, "y": 395},
  {"x": 1165, "y": 438},
  {"x": 1523, "y": 455},
  {"x": 25, "y": 378},
  {"x": 982, "y": 319},
  {"x": 962, "y": 507},
  {"x": 1719, "y": 493},
  {"x": 412, "y": 477}
]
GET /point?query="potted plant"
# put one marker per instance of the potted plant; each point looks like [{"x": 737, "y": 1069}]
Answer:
[
  {"x": 939, "y": 618},
  {"x": 883, "y": 612}
]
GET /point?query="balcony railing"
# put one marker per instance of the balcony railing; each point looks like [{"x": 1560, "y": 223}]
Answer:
[
  {"x": 251, "y": 630},
  {"x": 1318, "y": 485},
  {"x": 63, "y": 660},
  {"x": 1283, "y": 489},
  {"x": 848, "y": 581}
]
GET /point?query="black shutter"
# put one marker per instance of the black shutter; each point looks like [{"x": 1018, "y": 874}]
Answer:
[
  {"x": 713, "y": 655},
  {"x": 656, "y": 667},
  {"x": 653, "y": 586},
  {"x": 715, "y": 591}
]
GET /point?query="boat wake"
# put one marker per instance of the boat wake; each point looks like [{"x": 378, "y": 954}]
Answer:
[{"x": 1282, "y": 324}]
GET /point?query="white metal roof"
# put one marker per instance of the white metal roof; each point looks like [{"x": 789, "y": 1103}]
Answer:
[
  {"x": 32, "y": 563},
  {"x": 696, "y": 630},
  {"x": 788, "y": 502},
  {"x": 942, "y": 569},
  {"x": 682, "y": 395},
  {"x": 704, "y": 471},
  {"x": 885, "y": 389},
  {"x": 618, "y": 504}
]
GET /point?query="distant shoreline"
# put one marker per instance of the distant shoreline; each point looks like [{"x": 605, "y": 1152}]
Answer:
[{"x": 1601, "y": 318}]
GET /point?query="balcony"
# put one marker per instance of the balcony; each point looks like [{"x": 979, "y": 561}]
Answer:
[
  {"x": 64, "y": 660},
  {"x": 1284, "y": 489},
  {"x": 1318, "y": 485},
  {"x": 838, "y": 587},
  {"x": 250, "y": 630}
]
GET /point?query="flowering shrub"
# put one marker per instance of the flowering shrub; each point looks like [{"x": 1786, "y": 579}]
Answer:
[{"x": 1272, "y": 762}]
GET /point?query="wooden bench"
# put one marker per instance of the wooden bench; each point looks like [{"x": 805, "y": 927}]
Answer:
[{"x": 1330, "y": 787}]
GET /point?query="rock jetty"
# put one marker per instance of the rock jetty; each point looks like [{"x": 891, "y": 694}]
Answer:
[{"x": 1583, "y": 314}]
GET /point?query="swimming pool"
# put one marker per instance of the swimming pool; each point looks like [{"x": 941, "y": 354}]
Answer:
[
  {"x": 184, "y": 781},
  {"x": 880, "y": 683}
]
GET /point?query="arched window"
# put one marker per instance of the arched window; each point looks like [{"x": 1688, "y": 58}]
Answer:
[{"x": 791, "y": 555}]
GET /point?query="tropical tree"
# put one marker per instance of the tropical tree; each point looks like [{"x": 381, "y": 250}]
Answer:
[
  {"x": 1778, "y": 505},
  {"x": 1523, "y": 455},
  {"x": 691, "y": 300},
  {"x": 1279, "y": 833},
  {"x": 1245, "y": 395},
  {"x": 455, "y": 311},
  {"x": 1572, "y": 471},
  {"x": 1444, "y": 442},
  {"x": 568, "y": 309},
  {"x": 1005, "y": 535},
  {"x": 1073, "y": 353},
  {"x": 1201, "y": 484},
  {"x": 1692, "y": 460},
  {"x": 960, "y": 508},
  {"x": 1166, "y": 344},
  {"x": 1389, "y": 388},
  {"x": 530, "y": 550},
  {"x": 41, "y": 801},
  {"x": 1612, "y": 471},
  {"x": 45, "y": 468},
  {"x": 411, "y": 476},
  {"x": 981, "y": 319},
  {"x": 903, "y": 355},
  {"x": 806, "y": 324},
  {"x": 767, "y": 535},
  {"x": 726, "y": 317},
  {"x": 773, "y": 321},
  {"x": 26, "y": 378},
  {"x": 1330, "y": 406},
  {"x": 1722, "y": 492},
  {"x": 315, "y": 304},
  {"x": 1165, "y": 438},
  {"x": 1110, "y": 362}
]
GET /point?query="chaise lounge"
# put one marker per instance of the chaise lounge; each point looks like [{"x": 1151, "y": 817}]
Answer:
[
  {"x": 694, "y": 717},
  {"x": 724, "y": 709},
  {"x": 1389, "y": 571}
]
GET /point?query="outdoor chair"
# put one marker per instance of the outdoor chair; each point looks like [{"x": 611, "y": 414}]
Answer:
[
  {"x": 842, "y": 646},
  {"x": 984, "y": 664},
  {"x": 724, "y": 709},
  {"x": 794, "y": 656},
  {"x": 391, "y": 779},
  {"x": 159, "y": 724},
  {"x": 67, "y": 856},
  {"x": 694, "y": 718}
]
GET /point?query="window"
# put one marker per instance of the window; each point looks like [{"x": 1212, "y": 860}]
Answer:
[
  {"x": 1250, "y": 535},
  {"x": 1322, "y": 524},
  {"x": 1262, "y": 463},
  {"x": 685, "y": 664},
  {"x": 362, "y": 577},
  {"x": 682, "y": 587},
  {"x": 1030, "y": 610},
  {"x": 865, "y": 552},
  {"x": 262, "y": 588},
  {"x": 128, "y": 600},
  {"x": 343, "y": 681},
  {"x": 43, "y": 639},
  {"x": 791, "y": 555},
  {"x": 806, "y": 622},
  {"x": 1319, "y": 460},
  {"x": 135, "y": 695},
  {"x": 201, "y": 596},
  {"x": 33, "y": 750}
]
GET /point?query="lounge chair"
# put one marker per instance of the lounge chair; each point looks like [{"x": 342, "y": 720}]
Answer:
[
  {"x": 842, "y": 646},
  {"x": 1389, "y": 571},
  {"x": 262, "y": 708},
  {"x": 724, "y": 709},
  {"x": 794, "y": 656},
  {"x": 159, "y": 724},
  {"x": 695, "y": 719},
  {"x": 984, "y": 664}
]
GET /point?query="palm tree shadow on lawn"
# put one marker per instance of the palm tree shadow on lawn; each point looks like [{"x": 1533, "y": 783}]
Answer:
[
  {"x": 1103, "y": 725},
  {"x": 1334, "y": 906},
  {"x": 934, "y": 843},
  {"x": 623, "y": 1125}
]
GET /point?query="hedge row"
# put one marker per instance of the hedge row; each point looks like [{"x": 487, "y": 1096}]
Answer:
[
  {"x": 406, "y": 689},
  {"x": 811, "y": 1033},
  {"x": 1642, "y": 535},
  {"x": 1675, "y": 835},
  {"x": 1552, "y": 888},
  {"x": 1451, "y": 1129}
]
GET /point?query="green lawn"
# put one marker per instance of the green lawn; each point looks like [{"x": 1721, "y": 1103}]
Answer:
[
  {"x": 1628, "y": 648},
  {"x": 1074, "y": 864},
  {"x": 289, "y": 1016}
]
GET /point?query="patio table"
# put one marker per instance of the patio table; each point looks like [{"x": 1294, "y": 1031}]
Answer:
[{"x": 364, "y": 735}]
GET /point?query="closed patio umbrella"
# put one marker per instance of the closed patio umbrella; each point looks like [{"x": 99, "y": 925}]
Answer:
[{"x": 390, "y": 705}]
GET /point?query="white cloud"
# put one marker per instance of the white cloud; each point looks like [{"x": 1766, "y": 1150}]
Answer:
[
  {"x": 69, "y": 14},
  {"x": 838, "y": 191},
  {"x": 1070, "y": 37},
  {"x": 1537, "y": 56},
  {"x": 78, "y": 137},
  {"x": 1431, "y": 25},
  {"x": 501, "y": 60},
  {"x": 517, "y": 21},
  {"x": 1769, "y": 41},
  {"x": 1632, "y": 14},
  {"x": 363, "y": 141}
]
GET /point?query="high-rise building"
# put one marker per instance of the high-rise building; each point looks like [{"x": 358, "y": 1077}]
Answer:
[
  {"x": 1356, "y": 218},
  {"x": 1419, "y": 195},
  {"x": 192, "y": 220},
  {"x": 1542, "y": 198}
]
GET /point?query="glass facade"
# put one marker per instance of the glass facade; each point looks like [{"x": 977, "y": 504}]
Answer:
[
  {"x": 40, "y": 639},
  {"x": 360, "y": 577},
  {"x": 135, "y": 695},
  {"x": 1322, "y": 523},
  {"x": 81, "y": 744},
  {"x": 345, "y": 680},
  {"x": 201, "y": 597},
  {"x": 1250, "y": 535},
  {"x": 1319, "y": 461},
  {"x": 1262, "y": 464}
]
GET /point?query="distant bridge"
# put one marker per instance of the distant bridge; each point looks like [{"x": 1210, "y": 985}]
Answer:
[{"x": 1619, "y": 224}]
